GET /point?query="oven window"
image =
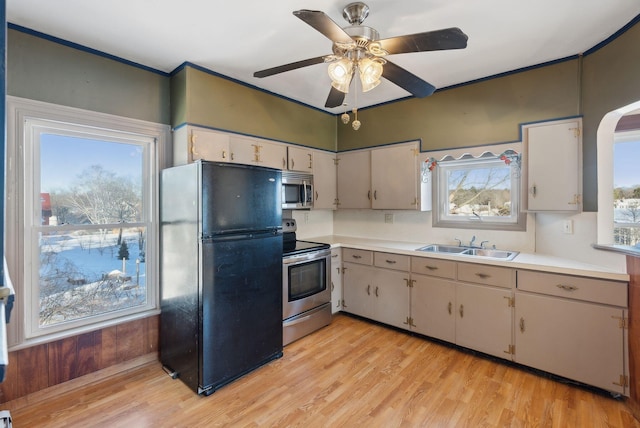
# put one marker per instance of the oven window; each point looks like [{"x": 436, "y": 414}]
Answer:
[
  {"x": 291, "y": 193},
  {"x": 306, "y": 279}
]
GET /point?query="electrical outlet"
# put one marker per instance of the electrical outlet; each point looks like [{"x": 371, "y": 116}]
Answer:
[
  {"x": 388, "y": 218},
  {"x": 567, "y": 227}
]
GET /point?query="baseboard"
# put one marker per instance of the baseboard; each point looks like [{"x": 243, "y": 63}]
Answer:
[{"x": 81, "y": 381}]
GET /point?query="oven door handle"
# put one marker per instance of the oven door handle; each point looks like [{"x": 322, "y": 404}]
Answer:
[{"x": 316, "y": 255}]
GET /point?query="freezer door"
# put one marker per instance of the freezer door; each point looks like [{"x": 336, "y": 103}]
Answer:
[
  {"x": 241, "y": 325},
  {"x": 240, "y": 198}
]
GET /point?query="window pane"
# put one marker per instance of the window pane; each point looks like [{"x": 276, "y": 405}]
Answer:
[
  {"x": 89, "y": 181},
  {"x": 480, "y": 191},
  {"x": 626, "y": 192},
  {"x": 83, "y": 274}
]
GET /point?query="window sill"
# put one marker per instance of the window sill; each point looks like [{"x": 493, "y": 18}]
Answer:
[{"x": 622, "y": 249}]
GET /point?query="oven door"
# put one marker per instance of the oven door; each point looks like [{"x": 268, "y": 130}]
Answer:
[{"x": 305, "y": 280}]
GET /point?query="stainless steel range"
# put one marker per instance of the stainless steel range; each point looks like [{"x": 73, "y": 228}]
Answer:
[{"x": 306, "y": 295}]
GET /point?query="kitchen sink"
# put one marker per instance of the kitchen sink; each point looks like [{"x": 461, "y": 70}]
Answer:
[
  {"x": 485, "y": 253},
  {"x": 435, "y": 248}
]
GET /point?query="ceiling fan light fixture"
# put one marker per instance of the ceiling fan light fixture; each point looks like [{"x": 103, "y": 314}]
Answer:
[
  {"x": 340, "y": 73},
  {"x": 370, "y": 73}
]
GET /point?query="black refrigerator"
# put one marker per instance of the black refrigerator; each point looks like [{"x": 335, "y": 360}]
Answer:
[{"x": 221, "y": 271}]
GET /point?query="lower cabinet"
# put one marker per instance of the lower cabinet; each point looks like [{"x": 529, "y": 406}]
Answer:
[
  {"x": 377, "y": 293},
  {"x": 572, "y": 327},
  {"x": 474, "y": 316}
]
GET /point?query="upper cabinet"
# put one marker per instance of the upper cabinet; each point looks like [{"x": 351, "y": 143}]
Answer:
[
  {"x": 190, "y": 144},
  {"x": 394, "y": 177},
  {"x": 354, "y": 179},
  {"x": 553, "y": 165},
  {"x": 255, "y": 151},
  {"x": 300, "y": 159},
  {"x": 382, "y": 178},
  {"x": 324, "y": 180}
]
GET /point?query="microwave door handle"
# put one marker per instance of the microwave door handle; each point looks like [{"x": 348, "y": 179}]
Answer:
[{"x": 304, "y": 194}]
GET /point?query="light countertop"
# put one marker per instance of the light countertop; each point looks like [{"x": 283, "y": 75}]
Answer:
[{"x": 529, "y": 261}]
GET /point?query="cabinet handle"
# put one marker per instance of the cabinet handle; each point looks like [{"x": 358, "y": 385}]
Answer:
[
  {"x": 567, "y": 287},
  {"x": 293, "y": 164},
  {"x": 368, "y": 289},
  {"x": 406, "y": 321},
  {"x": 231, "y": 155},
  {"x": 338, "y": 270},
  {"x": 333, "y": 256},
  {"x": 461, "y": 311},
  {"x": 355, "y": 256},
  {"x": 375, "y": 195},
  {"x": 194, "y": 137},
  {"x": 431, "y": 267},
  {"x": 521, "y": 325},
  {"x": 369, "y": 195},
  {"x": 310, "y": 160},
  {"x": 483, "y": 275},
  {"x": 224, "y": 154},
  {"x": 377, "y": 291},
  {"x": 391, "y": 262},
  {"x": 316, "y": 195},
  {"x": 450, "y": 307},
  {"x": 332, "y": 286},
  {"x": 533, "y": 190}
]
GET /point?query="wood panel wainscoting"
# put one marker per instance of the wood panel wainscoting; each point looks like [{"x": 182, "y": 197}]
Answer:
[
  {"x": 352, "y": 373},
  {"x": 633, "y": 269},
  {"x": 42, "y": 366}
]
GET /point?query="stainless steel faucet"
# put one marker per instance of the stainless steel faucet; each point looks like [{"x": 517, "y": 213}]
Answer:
[{"x": 473, "y": 239}]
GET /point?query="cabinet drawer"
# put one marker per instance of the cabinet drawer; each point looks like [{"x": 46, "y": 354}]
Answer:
[
  {"x": 433, "y": 267},
  {"x": 574, "y": 287},
  {"x": 487, "y": 275},
  {"x": 357, "y": 256},
  {"x": 391, "y": 261}
]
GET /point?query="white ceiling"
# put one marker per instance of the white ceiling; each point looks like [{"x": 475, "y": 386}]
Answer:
[{"x": 237, "y": 38}]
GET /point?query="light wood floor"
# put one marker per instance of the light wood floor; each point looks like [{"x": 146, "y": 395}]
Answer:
[{"x": 352, "y": 373}]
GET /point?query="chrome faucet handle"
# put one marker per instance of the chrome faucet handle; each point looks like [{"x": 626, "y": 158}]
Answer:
[
  {"x": 459, "y": 242},
  {"x": 482, "y": 244},
  {"x": 473, "y": 239}
]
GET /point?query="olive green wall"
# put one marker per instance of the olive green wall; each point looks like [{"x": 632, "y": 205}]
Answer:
[
  {"x": 43, "y": 70},
  {"x": 485, "y": 112},
  {"x": 611, "y": 79},
  {"x": 216, "y": 102}
]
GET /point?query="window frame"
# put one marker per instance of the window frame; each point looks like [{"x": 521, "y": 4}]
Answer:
[
  {"x": 440, "y": 218},
  {"x": 22, "y": 183}
]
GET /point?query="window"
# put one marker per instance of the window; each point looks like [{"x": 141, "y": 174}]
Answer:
[
  {"x": 478, "y": 193},
  {"x": 626, "y": 188},
  {"x": 88, "y": 216}
]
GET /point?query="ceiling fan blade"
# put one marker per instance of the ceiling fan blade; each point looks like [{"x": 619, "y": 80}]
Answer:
[
  {"x": 288, "y": 67},
  {"x": 448, "y": 38},
  {"x": 321, "y": 22},
  {"x": 407, "y": 81},
  {"x": 335, "y": 98}
]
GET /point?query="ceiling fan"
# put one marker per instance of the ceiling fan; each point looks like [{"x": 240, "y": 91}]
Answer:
[{"x": 359, "y": 49}]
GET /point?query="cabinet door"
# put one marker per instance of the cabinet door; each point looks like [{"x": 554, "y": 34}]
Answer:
[
  {"x": 484, "y": 318},
  {"x": 394, "y": 177},
  {"x": 254, "y": 151},
  {"x": 357, "y": 289},
  {"x": 391, "y": 293},
  {"x": 433, "y": 304},
  {"x": 299, "y": 159},
  {"x": 577, "y": 340},
  {"x": 324, "y": 180},
  {"x": 553, "y": 159},
  {"x": 209, "y": 145},
  {"x": 354, "y": 179},
  {"x": 336, "y": 280}
]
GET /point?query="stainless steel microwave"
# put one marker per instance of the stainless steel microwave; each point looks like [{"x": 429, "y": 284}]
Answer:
[{"x": 297, "y": 190}]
